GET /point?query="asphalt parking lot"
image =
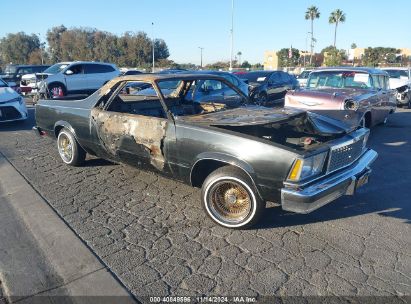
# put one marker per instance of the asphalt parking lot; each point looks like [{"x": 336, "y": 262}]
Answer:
[{"x": 157, "y": 240}]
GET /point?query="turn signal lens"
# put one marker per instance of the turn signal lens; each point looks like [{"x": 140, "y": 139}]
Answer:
[{"x": 295, "y": 172}]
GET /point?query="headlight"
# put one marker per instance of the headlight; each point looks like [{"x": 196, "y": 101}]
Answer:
[
  {"x": 307, "y": 167},
  {"x": 350, "y": 104}
]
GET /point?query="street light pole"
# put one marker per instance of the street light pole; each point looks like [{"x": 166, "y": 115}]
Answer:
[
  {"x": 201, "y": 56},
  {"x": 41, "y": 49},
  {"x": 152, "y": 24},
  {"x": 305, "y": 52},
  {"x": 232, "y": 34}
]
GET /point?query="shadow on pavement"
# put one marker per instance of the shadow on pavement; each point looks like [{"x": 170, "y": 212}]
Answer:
[{"x": 97, "y": 162}]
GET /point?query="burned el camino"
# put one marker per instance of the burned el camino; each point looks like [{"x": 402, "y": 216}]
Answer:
[{"x": 241, "y": 155}]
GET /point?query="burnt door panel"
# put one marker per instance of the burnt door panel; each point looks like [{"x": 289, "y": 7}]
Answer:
[{"x": 137, "y": 140}]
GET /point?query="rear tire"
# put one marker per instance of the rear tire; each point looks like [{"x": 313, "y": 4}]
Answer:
[
  {"x": 71, "y": 153},
  {"x": 230, "y": 199}
]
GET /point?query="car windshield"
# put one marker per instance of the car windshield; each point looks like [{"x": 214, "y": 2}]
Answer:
[
  {"x": 397, "y": 73},
  {"x": 339, "y": 79},
  {"x": 254, "y": 76},
  {"x": 54, "y": 69},
  {"x": 10, "y": 69}
]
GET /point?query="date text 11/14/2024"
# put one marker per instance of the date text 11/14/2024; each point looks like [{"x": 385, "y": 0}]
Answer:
[{"x": 202, "y": 299}]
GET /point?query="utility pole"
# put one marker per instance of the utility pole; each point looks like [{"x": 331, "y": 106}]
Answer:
[
  {"x": 41, "y": 49},
  {"x": 201, "y": 56},
  {"x": 305, "y": 52},
  {"x": 232, "y": 34},
  {"x": 152, "y": 24}
]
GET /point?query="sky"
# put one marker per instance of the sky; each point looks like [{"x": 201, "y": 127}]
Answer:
[{"x": 259, "y": 25}]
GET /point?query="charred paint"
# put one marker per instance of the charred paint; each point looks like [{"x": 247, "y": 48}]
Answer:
[{"x": 147, "y": 132}]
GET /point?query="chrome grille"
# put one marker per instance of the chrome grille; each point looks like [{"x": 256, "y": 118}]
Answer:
[{"x": 344, "y": 155}]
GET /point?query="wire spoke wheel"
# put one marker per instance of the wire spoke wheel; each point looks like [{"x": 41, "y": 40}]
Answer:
[
  {"x": 65, "y": 147},
  {"x": 229, "y": 201}
]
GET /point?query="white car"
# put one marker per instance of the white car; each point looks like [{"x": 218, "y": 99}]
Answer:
[
  {"x": 12, "y": 105},
  {"x": 79, "y": 77},
  {"x": 400, "y": 80},
  {"x": 29, "y": 84}
]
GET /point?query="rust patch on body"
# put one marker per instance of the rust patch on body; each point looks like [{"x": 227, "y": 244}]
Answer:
[{"x": 146, "y": 131}]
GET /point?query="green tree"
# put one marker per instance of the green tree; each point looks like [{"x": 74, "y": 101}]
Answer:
[
  {"x": 334, "y": 57},
  {"x": 219, "y": 65},
  {"x": 328, "y": 49},
  {"x": 380, "y": 55},
  {"x": 257, "y": 66},
  {"x": 284, "y": 60},
  {"x": 54, "y": 42},
  {"x": 336, "y": 17},
  {"x": 239, "y": 58},
  {"x": 353, "y": 45},
  {"x": 16, "y": 48},
  {"x": 246, "y": 65},
  {"x": 311, "y": 14},
  {"x": 132, "y": 49}
]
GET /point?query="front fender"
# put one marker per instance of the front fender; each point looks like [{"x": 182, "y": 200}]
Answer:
[{"x": 225, "y": 158}]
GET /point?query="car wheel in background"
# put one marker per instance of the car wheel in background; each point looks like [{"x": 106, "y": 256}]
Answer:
[
  {"x": 69, "y": 149},
  {"x": 229, "y": 197},
  {"x": 262, "y": 98}
]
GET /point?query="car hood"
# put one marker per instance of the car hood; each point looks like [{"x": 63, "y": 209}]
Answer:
[
  {"x": 29, "y": 76},
  {"x": 257, "y": 115},
  {"x": 397, "y": 83},
  {"x": 249, "y": 115},
  {"x": 330, "y": 99},
  {"x": 7, "y": 93}
]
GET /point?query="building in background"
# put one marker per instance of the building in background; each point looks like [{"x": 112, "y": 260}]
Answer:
[{"x": 270, "y": 60}]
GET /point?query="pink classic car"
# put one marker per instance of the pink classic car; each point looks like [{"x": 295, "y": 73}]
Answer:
[{"x": 364, "y": 92}]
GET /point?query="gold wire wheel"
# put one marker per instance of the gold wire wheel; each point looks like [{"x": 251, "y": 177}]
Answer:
[
  {"x": 65, "y": 147},
  {"x": 230, "y": 201}
]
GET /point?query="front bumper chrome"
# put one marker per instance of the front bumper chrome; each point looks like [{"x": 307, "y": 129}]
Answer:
[{"x": 313, "y": 196}]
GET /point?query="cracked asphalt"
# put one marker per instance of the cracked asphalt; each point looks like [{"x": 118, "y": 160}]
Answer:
[{"x": 154, "y": 236}]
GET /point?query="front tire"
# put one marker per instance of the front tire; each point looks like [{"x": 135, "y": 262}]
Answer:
[
  {"x": 69, "y": 149},
  {"x": 229, "y": 197}
]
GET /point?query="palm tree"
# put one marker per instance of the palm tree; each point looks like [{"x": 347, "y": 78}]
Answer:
[
  {"x": 336, "y": 17},
  {"x": 311, "y": 14}
]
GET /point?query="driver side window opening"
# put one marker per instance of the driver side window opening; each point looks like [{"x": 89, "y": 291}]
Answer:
[{"x": 139, "y": 98}]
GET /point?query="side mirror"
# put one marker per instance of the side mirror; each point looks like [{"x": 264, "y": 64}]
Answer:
[{"x": 69, "y": 72}]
